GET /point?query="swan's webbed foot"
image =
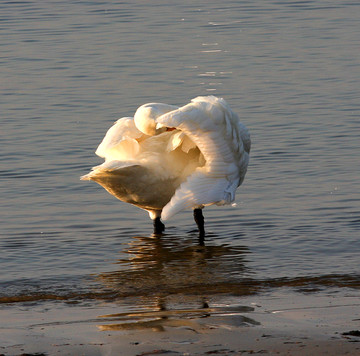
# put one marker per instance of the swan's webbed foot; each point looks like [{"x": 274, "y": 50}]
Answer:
[
  {"x": 199, "y": 219},
  {"x": 159, "y": 227}
]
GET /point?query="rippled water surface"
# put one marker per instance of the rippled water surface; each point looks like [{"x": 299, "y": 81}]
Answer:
[{"x": 290, "y": 69}]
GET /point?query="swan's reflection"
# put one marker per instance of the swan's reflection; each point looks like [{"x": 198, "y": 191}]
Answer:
[
  {"x": 168, "y": 265},
  {"x": 172, "y": 282},
  {"x": 194, "y": 319}
]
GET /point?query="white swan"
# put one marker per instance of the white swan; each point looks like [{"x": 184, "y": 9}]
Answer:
[{"x": 167, "y": 159}]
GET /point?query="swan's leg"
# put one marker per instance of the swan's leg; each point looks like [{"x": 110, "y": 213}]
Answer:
[
  {"x": 155, "y": 216},
  {"x": 159, "y": 227},
  {"x": 199, "y": 219}
]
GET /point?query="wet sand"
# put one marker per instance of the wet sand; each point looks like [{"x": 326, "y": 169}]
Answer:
[{"x": 279, "y": 323}]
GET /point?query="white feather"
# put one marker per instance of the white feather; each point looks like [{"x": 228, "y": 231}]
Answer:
[
  {"x": 119, "y": 142},
  {"x": 169, "y": 159}
]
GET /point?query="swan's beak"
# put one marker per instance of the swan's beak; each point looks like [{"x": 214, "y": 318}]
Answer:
[{"x": 160, "y": 129}]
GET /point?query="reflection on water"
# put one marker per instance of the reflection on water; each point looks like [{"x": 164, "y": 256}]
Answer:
[
  {"x": 166, "y": 282},
  {"x": 194, "y": 319},
  {"x": 170, "y": 282},
  {"x": 168, "y": 265},
  {"x": 173, "y": 283}
]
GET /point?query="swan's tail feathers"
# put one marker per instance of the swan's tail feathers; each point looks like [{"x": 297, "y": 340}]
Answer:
[
  {"x": 112, "y": 167},
  {"x": 199, "y": 190},
  {"x": 86, "y": 177}
]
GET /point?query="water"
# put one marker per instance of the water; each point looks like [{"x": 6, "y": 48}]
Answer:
[{"x": 290, "y": 69}]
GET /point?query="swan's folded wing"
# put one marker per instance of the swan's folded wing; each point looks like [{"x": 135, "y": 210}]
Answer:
[
  {"x": 198, "y": 191},
  {"x": 216, "y": 130},
  {"x": 120, "y": 141},
  {"x": 225, "y": 144}
]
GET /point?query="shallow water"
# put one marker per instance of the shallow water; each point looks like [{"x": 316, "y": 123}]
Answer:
[{"x": 289, "y": 69}]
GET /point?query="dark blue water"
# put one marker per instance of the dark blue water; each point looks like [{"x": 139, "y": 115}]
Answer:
[{"x": 290, "y": 69}]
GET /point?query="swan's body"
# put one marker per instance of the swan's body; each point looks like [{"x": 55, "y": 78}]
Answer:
[{"x": 167, "y": 159}]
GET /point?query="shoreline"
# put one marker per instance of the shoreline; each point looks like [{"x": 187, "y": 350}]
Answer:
[{"x": 278, "y": 323}]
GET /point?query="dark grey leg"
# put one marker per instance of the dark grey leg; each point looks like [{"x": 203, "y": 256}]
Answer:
[
  {"x": 199, "y": 219},
  {"x": 159, "y": 227}
]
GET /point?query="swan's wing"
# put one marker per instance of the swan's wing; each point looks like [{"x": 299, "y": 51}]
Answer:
[
  {"x": 198, "y": 190},
  {"x": 120, "y": 142},
  {"x": 225, "y": 144},
  {"x": 179, "y": 139}
]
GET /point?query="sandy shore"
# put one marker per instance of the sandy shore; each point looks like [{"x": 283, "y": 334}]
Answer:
[{"x": 283, "y": 323}]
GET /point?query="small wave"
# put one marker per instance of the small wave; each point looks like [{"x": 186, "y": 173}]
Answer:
[{"x": 116, "y": 288}]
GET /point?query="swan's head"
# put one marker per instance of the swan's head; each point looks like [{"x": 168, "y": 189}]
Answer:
[{"x": 146, "y": 117}]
